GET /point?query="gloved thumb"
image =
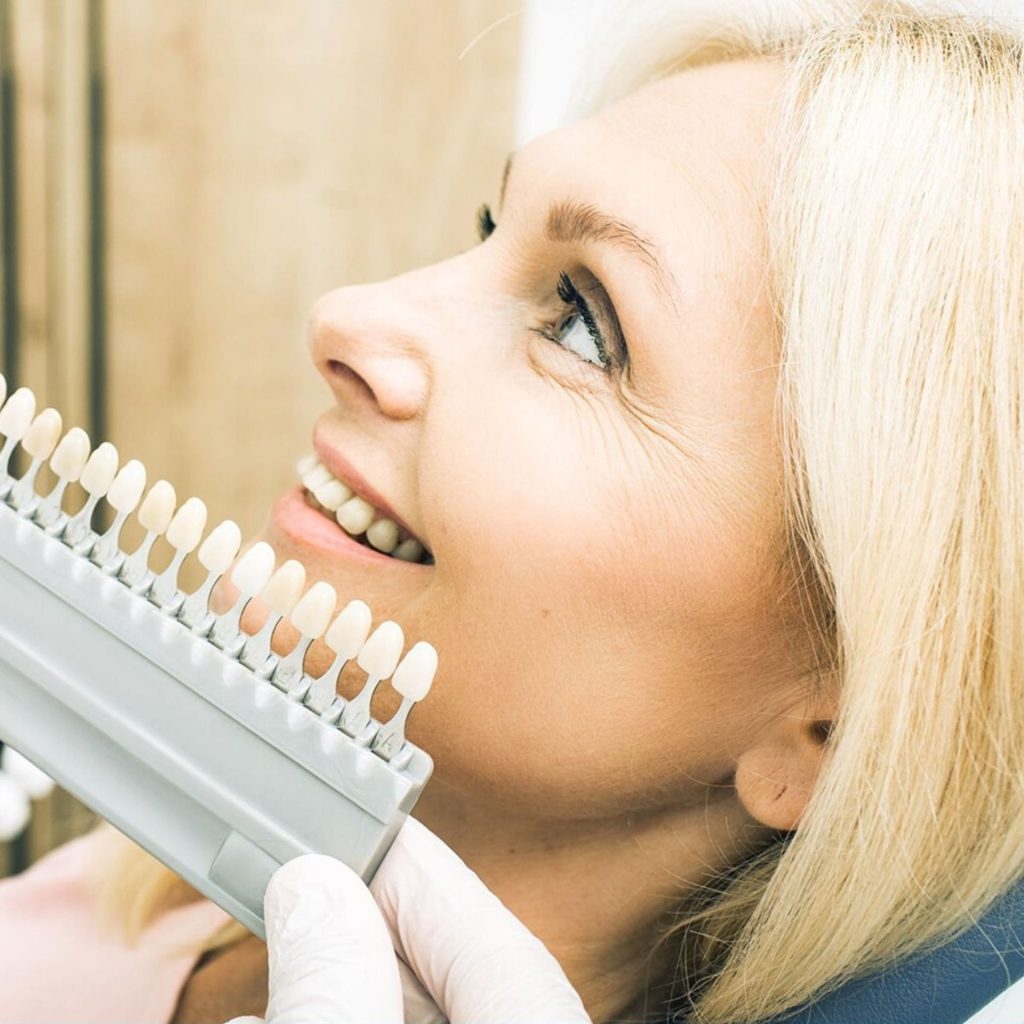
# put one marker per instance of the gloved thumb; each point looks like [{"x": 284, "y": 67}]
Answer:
[
  {"x": 330, "y": 955},
  {"x": 479, "y": 962}
]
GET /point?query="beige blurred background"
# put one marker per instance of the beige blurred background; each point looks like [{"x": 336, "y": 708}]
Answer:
[{"x": 181, "y": 179}]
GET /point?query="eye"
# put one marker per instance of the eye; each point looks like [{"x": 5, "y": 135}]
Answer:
[
  {"x": 484, "y": 223},
  {"x": 578, "y": 332}
]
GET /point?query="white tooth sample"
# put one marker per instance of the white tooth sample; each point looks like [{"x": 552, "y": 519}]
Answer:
[
  {"x": 215, "y": 554},
  {"x": 15, "y": 419},
  {"x": 254, "y": 568},
  {"x": 306, "y": 464},
  {"x": 377, "y": 658},
  {"x": 280, "y": 595},
  {"x": 96, "y": 478},
  {"x": 39, "y": 441},
  {"x": 100, "y": 470},
  {"x": 383, "y": 535},
  {"x": 43, "y": 434},
  {"x": 67, "y": 462},
  {"x": 332, "y": 495},
  {"x": 355, "y": 516},
  {"x": 154, "y": 516},
  {"x": 416, "y": 671},
  {"x": 186, "y": 528},
  {"x": 314, "y": 609},
  {"x": 183, "y": 534},
  {"x": 380, "y": 653},
  {"x": 310, "y": 617},
  {"x": 285, "y": 587},
  {"x": 412, "y": 679},
  {"x": 348, "y": 632},
  {"x": 345, "y": 636},
  {"x": 218, "y": 551},
  {"x": 316, "y": 477},
  {"x": 157, "y": 510},
  {"x": 122, "y": 496},
  {"x": 17, "y": 414},
  {"x": 71, "y": 455},
  {"x": 127, "y": 487},
  {"x": 410, "y": 550},
  {"x": 250, "y": 576}
]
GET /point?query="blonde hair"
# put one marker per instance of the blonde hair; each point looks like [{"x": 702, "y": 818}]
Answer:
[{"x": 895, "y": 227}]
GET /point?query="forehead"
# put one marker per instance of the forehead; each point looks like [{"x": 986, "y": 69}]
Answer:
[
  {"x": 683, "y": 159},
  {"x": 692, "y": 149}
]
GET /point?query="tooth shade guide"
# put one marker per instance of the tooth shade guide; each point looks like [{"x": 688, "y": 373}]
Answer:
[{"x": 195, "y": 697}]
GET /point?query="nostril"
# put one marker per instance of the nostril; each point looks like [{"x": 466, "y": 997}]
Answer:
[{"x": 342, "y": 371}]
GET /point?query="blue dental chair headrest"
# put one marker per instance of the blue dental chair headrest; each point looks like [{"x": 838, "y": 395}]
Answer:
[{"x": 945, "y": 986}]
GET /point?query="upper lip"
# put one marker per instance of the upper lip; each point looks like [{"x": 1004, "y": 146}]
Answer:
[{"x": 344, "y": 471}]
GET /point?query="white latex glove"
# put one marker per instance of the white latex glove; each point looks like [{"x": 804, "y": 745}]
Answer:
[{"x": 331, "y": 956}]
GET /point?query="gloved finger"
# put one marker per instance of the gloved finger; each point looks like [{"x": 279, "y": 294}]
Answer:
[
  {"x": 478, "y": 961},
  {"x": 246, "y": 1020},
  {"x": 420, "y": 1007},
  {"x": 330, "y": 955}
]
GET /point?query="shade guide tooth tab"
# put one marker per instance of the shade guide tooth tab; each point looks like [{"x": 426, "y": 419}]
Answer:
[
  {"x": 377, "y": 658},
  {"x": 154, "y": 516},
  {"x": 348, "y": 632},
  {"x": 123, "y": 496},
  {"x": 310, "y": 617},
  {"x": 17, "y": 413},
  {"x": 3, "y": 390},
  {"x": 15, "y": 418},
  {"x": 97, "y": 475},
  {"x": 157, "y": 508},
  {"x": 215, "y": 554},
  {"x": 250, "y": 576},
  {"x": 67, "y": 463},
  {"x": 379, "y": 655},
  {"x": 183, "y": 534},
  {"x": 412, "y": 679},
  {"x": 39, "y": 441},
  {"x": 280, "y": 595},
  {"x": 345, "y": 636}
]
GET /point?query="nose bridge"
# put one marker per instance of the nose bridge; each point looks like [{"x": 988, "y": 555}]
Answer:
[{"x": 382, "y": 343}]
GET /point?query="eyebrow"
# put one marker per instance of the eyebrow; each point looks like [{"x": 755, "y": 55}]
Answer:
[{"x": 570, "y": 222}]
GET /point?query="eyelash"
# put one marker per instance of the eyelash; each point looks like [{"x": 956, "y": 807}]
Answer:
[{"x": 567, "y": 292}]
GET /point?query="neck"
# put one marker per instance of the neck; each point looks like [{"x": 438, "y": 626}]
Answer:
[{"x": 595, "y": 892}]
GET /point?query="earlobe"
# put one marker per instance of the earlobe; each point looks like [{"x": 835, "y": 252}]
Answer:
[{"x": 776, "y": 776}]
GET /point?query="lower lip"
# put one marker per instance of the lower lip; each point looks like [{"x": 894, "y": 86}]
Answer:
[{"x": 304, "y": 525}]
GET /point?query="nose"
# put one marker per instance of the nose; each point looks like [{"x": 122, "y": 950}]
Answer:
[{"x": 371, "y": 344}]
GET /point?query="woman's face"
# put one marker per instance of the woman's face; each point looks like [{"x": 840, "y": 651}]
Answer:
[{"x": 590, "y": 463}]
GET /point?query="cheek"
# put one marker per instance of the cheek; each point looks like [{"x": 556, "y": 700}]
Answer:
[{"x": 584, "y": 608}]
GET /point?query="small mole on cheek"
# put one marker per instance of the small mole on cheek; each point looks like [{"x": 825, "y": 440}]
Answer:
[{"x": 545, "y": 612}]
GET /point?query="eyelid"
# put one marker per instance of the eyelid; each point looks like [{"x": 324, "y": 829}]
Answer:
[
  {"x": 605, "y": 316},
  {"x": 603, "y": 310}
]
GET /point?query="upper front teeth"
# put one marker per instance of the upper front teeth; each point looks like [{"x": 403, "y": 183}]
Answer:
[
  {"x": 332, "y": 495},
  {"x": 355, "y": 515}
]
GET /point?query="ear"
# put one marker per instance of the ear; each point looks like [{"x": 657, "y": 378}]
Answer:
[{"x": 777, "y": 773}]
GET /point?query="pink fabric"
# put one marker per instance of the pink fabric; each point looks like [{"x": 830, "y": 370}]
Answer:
[{"x": 58, "y": 966}]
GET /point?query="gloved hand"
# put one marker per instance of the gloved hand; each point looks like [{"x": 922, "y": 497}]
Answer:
[{"x": 332, "y": 942}]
